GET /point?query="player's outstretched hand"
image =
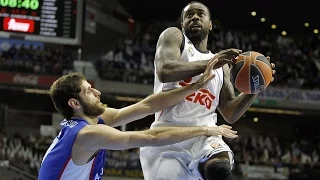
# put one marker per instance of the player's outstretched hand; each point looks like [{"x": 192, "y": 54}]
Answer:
[
  {"x": 207, "y": 75},
  {"x": 223, "y": 130},
  {"x": 226, "y": 56}
]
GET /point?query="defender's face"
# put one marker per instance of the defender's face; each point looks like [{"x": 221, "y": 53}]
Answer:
[{"x": 90, "y": 100}]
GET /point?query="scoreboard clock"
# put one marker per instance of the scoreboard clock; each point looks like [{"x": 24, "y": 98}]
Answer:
[
  {"x": 32, "y": 4},
  {"x": 52, "y": 21}
]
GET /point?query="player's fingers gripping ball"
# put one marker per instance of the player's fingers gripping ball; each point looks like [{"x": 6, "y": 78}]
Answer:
[{"x": 251, "y": 72}]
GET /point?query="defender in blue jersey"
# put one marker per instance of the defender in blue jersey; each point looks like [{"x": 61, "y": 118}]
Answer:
[{"x": 79, "y": 150}]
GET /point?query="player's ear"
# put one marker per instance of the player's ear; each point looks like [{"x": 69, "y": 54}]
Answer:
[
  {"x": 182, "y": 29},
  {"x": 74, "y": 103},
  {"x": 210, "y": 25}
]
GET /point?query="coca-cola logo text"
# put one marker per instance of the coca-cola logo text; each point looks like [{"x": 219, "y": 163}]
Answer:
[
  {"x": 25, "y": 79},
  {"x": 29, "y": 79},
  {"x": 19, "y": 25}
]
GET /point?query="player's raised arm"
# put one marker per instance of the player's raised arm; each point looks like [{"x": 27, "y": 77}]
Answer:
[
  {"x": 167, "y": 58},
  {"x": 170, "y": 68},
  {"x": 156, "y": 102}
]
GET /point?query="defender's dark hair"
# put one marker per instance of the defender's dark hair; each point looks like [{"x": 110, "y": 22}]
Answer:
[{"x": 65, "y": 88}]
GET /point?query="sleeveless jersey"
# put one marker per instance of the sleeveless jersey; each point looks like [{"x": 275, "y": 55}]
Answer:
[
  {"x": 198, "y": 108},
  {"x": 57, "y": 163}
]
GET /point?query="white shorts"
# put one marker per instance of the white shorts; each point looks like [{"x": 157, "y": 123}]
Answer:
[{"x": 180, "y": 161}]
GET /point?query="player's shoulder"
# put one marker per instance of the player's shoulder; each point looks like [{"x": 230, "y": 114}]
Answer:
[
  {"x": 83, "y": 134},
  {"x": 171, "y": 30},
  {"x": 89, "y": 130},
  {"x": 90, "y": 135},
  {"x": 171, "y": 36},
  {"x": 85, "y": 130},
  {"x": 171, "y": 33}
]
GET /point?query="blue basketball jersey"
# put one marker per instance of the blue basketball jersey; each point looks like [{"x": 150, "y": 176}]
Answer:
[{"x": 57, "y": 163}]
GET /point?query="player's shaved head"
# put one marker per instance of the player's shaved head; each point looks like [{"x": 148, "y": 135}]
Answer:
[{"x": 193, "y": 2}]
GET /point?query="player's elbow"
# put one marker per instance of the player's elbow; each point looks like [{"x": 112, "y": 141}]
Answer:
[
  {"x": 166, "y": 73},
  {"x": 228, "y": 116},
  {"x": 165, "y": 70},
  {"x": 163, "y": 75},
  {"x": 231, "y": 120}
]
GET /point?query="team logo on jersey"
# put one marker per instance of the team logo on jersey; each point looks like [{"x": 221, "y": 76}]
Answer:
[
  {"x": 190, "y": 51},
  {"x": 215, "y": 145},
  {"x": 202, "y": 97}
]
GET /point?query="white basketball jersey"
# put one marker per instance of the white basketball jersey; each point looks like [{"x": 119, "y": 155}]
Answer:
[{"x": 197, "y": 109}]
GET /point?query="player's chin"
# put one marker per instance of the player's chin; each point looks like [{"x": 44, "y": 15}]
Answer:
[
  {"x": 101, "y": 110},
  {"x": 195, "y": 34}
]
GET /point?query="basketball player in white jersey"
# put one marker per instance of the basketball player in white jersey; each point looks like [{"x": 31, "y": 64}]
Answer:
[
  {"x": 180, "y": 59},
  {"x": 79, "y": 151}
]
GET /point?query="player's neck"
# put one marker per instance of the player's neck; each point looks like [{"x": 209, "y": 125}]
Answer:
[
  {"x": 90, "y": 120},
  {"x": 202, "y": 46}
]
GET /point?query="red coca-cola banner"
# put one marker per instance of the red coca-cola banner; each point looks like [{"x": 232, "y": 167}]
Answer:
[{"x": 28, "y": 79}]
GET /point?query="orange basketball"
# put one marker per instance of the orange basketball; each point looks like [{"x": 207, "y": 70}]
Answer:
[{"x": 251, "y": 72}]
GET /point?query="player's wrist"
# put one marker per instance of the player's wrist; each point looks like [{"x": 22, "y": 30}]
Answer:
[
  {"x": 206, "y": 131},
  {"x": 196, "y": 86}
]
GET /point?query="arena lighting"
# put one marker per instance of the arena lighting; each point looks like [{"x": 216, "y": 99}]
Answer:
[
  {"x": 316, "y": 31},
  {"x": 273, "y": 26},
  {"x": 131, "y": 20},
  {"x": 253, "y": 13},
  {"x": 263, "y": 19},
  {"x": 306, "y": 24},
  {"x": 36, "y": 91},
  {"x": 255, "y": 119},
  {"x": 284, "y": 33},
  {"x": 274, "y": 111}
]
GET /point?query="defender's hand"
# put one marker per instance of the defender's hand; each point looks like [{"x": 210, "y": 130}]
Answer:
[
  {"x": 226, "y": 57},
  {"x": 223, "y": 130},
  {"x": 207, "y": 75}
]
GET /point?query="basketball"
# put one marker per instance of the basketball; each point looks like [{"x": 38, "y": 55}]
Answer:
[{"x": 251, "y": 72}]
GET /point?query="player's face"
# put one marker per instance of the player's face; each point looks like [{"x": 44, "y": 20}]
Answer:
[
  {"x": 90, "y": 100},
  {"x": 196, "y": 22}
]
